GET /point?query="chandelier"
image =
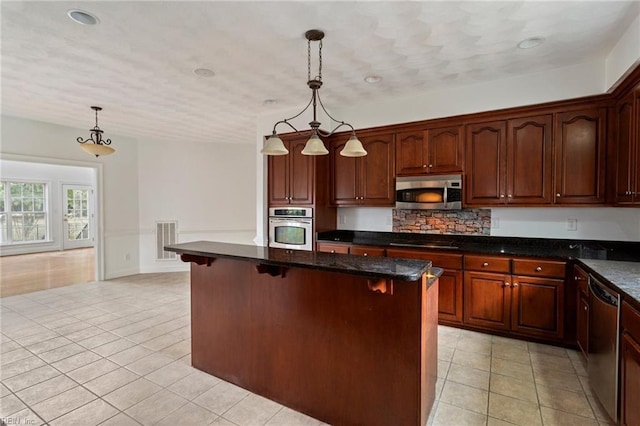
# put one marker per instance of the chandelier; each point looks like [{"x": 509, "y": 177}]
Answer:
[
  {"x": 95, "y": 144},
  {"x": 314, "y": 146}
]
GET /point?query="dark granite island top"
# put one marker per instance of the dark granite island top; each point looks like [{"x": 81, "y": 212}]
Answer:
[{"x": 373, "y": 267}]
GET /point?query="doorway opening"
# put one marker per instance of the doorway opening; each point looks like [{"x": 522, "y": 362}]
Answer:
[{"x": 48, "y": 225}]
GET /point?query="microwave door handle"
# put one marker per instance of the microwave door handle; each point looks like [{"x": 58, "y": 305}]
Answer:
[{"x": 444, "y": 196}]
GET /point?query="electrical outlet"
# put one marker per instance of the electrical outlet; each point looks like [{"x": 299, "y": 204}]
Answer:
[
  {"x": 572, "y": 224},
  {"x": 495, "y": 222},
  {"x": 127, "y": 257},
  {"x": 342, "y": 219}
]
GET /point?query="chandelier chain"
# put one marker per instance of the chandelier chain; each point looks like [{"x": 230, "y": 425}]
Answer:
[
  {"x": 320, "y": 61},
  {"x": 308, "y": 60}
]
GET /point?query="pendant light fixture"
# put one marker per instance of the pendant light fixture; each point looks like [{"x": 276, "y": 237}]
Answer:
[
  {"x": 314, "y": 146},
  {"x": 95, "y": 144}
]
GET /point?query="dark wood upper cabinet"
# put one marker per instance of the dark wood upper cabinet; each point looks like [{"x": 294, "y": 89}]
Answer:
[
  {"x": 580, "y": 138},
  {"x": 437, "y": 150},
  {"x": 485, "y": 151},
  {"x": 291, "y": 176},
  {"x": 509, "y": 162},
  {"x": 627, "y": 150},
  {"x": 367, "y": 180}
]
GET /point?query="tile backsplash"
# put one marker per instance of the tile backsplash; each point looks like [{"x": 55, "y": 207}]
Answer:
[{"x": 464, "y": 222}]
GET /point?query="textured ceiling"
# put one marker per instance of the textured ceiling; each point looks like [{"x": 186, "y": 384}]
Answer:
[{"x": 138, "y": 62}]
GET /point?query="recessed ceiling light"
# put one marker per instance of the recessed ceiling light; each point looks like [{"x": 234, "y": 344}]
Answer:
[
  {"x": 204, "y": 72},
  {"x": 373, "y": 79},
  {"x": 531, "y": 42},
  {"x": 270, "y": 102},
  {"x": 83, "y": 17}
]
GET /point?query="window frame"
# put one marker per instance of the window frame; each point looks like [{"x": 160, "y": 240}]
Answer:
[{"x": 46, "y": 210}]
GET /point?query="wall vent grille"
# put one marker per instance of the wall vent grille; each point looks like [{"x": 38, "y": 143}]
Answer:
[{"x": 166, "y": 233}]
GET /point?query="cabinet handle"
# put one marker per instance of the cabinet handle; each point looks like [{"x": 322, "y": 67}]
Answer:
[
  {"x": 424, "y": 166},
  {"x": 485, "y": 264},
  {"x": 333, "y": 251},
  {"x": 586, "y": 308},
  {"x": 539, "y": 268},
  {"x": 506, "y": 284},
  {"x": 558, "y": 194},
  {"x": 430, "y": 165},
  {"x": 501, "y": 195},
  {"x": 515, "y": 285},
  {"x": 510, "y": 196},
  {"x": 366, "y": 254}
]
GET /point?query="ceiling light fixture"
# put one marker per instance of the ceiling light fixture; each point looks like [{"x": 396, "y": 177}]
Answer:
[
  {"x": 373, "y": 79},
  {"x": 95, "y": 144},
  {"x": 82, "y": 17},
  {"x": 314, "y": 146},
  {"x": 530, "y": 42}
]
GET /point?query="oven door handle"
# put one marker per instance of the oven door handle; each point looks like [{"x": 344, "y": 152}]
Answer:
[{"x": 291, "y": 221}]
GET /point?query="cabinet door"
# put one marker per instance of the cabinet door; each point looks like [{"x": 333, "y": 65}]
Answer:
[
  {"x": 301, "y": 172},
  {"x": 624, "y": 151},
  {"x": 538, "y": 306},
  {"x": 450, "y": 296},
  {"x": 411, "y": 154},
  {"x": 636, "y": 132},
  {"x": 487, "y": 300},
  {"x": 344, "y": 177},
  {"x": 629, "y": 381},
  {"x": 529, "y": 161},
  {"x": 377, "y": 171},
  {"x": 444, "y": 147},
  {"x": 278, "y": 181},
  {"x": 582, "y": 325},
  {"x": 485, "y": 153},
  {"x": 580, "y": 156}
]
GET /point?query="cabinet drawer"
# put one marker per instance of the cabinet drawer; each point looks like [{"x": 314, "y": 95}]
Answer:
[
  {"x": 333, "y": 248},
  {"x": 439, "y": 260},
  {"x": 631, "y": 320},
  {"x": 487, "y": 263},
  {"x": 540, "y": 268},
  {"x": 367, "y": 251}
]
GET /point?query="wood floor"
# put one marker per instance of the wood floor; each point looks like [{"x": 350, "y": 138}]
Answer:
[{"x": 27, "y": 273}]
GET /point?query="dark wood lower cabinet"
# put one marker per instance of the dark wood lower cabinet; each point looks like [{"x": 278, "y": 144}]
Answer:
[
  {"x": 537, "y": 306},
  {"x": 487, "y": 300},
  {"x": 450, "y": 297},
  {"x": 630, "y": 381}
]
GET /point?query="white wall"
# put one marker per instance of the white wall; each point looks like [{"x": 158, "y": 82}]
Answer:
[
  {"x": 37, "y": 141},
  {"x": 208, "y": 188},
  {"x": 624, "y": 55},
  {"x": 54, "y": 176}
]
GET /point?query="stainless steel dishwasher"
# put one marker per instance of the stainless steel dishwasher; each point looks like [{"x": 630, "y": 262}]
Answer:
[{"x": 603, "y": 345}]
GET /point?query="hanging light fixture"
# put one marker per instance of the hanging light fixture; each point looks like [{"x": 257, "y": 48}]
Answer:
[
  {"x": 314, "y": 146},
  {"x": 95, "y": 144}
]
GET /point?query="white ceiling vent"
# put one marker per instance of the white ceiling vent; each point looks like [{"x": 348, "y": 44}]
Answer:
[{"x": 166, "y": 233}]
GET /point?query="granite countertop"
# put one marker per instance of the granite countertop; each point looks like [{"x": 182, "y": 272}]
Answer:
[
  {"x": 515, "y": 246},
  {"x": 624, "y": 276},
  {"x": 373, "y": 267}
]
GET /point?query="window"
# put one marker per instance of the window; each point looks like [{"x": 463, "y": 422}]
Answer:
[{"x": 23, "y": 212}]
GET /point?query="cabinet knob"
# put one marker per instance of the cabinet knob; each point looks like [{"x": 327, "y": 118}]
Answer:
[
  {"x": 515, "y": 285},
  {"x": 424, "y": 166},
  {"x": 510, "y": 196},
  {"x": 586, "y": 308},
  {"x": 333, "y": 251},
  {"x": 485, "y": 264},
  {"x": 506, "y": 284},
  {"x": 501, "y": 195},
  {"x": 539, "y": 268},
  {"x": 430, "y": 165},
  {"x": 365, "y": 254},
  {"x": 557, "y": 194}
]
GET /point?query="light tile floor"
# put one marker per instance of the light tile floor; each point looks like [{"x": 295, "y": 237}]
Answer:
[{"x": 118, "y": 353}]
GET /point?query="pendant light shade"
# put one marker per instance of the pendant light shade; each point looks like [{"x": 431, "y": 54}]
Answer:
[
  {"x": 274, "y": 146},
  {"x": 353, "y": 148},
  {"x": 314, "y": 146},
  {"x": 95, "y": 144}
]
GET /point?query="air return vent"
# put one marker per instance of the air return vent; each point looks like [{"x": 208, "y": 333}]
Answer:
[{"x": 166, "y": 233}]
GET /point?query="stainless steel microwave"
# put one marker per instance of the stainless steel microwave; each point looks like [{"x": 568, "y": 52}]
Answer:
[{"x": 442, "y": 192}]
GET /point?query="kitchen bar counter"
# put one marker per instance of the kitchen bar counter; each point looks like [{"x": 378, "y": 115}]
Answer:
[
  {"x": 348, "y": 340},
  {"x": 373, "y": 267},
  {"x": 532, "y": 247},
  {"x": 623, "y": 276}
]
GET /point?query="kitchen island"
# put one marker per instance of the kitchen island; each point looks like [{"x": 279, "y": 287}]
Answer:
[{"x": 349, "y": 340}]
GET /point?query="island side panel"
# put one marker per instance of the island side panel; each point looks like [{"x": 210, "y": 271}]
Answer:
[
  {"x": 429, "y": 352},
  {"x": 319, "y": 342}
]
